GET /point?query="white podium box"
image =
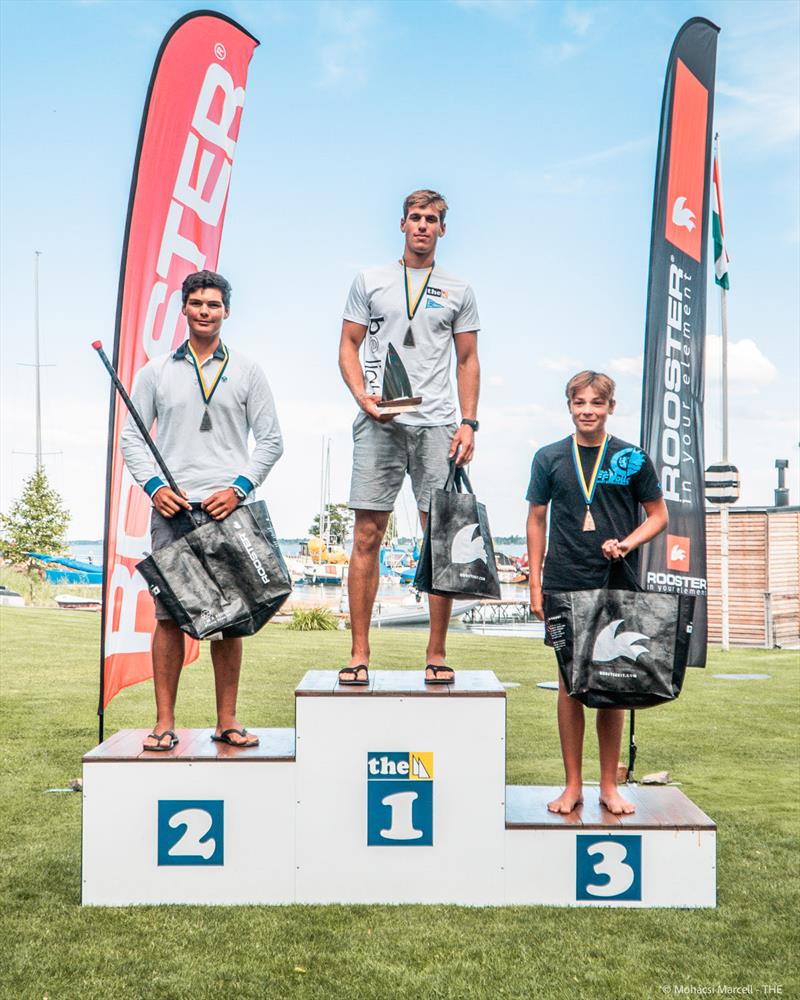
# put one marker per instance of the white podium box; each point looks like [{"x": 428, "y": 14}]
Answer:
[
  {"x": 390, "y": 793},
  {"x": 400, "y": 789},
  {"x": 664, "y": 854},
  {"x": 203, "y": 823}
]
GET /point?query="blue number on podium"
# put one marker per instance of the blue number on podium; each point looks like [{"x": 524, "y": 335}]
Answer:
[
  {"x": 399, "y": 799},
  {"x": 608, "y": 867},
  {"x": 191, "y": 832}
]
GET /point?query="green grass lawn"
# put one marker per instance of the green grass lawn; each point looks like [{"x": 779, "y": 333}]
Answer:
[{"x": 732, "y": 745}]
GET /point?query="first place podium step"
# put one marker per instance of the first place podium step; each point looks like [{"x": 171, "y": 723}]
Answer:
[{"x": 391, "y": 793}]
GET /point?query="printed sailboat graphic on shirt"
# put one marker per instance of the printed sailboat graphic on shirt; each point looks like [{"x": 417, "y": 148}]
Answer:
[{"x": 397, "y": 393}]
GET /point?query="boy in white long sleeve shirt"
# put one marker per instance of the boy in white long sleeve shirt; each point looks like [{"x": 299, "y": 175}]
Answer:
[{"x": 205, "y": 400}]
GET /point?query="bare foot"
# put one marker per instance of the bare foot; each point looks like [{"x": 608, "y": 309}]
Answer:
[
  {"x": 567, "y": 802},
  {"x": 615, "y": 803}
]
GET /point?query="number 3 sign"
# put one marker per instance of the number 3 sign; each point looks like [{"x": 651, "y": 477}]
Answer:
[{"x": 608, "y": 867}]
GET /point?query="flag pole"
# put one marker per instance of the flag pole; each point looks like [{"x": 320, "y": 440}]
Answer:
[{"x": 723, "y": 514}]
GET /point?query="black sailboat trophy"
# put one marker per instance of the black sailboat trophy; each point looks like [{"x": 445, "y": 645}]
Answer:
[{"x": 396, "y": 396}]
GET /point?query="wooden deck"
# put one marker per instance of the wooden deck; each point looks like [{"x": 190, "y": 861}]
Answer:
[
  {"x": 402, "y": 683},
  {"x": 664, "y": 808},
  {"x": 193, "y": 745}
]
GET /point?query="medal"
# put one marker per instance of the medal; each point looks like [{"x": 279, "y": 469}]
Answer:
[
  {"x": 588, "y": 491},
  {"x": 207, "y": 391},
  {"x": 411, "y": 310}
]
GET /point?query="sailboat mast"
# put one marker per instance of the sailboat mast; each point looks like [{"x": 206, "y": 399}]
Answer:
[{"x": 36, "y": 364}]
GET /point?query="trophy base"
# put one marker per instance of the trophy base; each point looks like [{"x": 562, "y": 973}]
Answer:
[{"x": 406, "y": 404}]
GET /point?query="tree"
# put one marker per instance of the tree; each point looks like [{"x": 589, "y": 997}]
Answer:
[
  {"x": 37, "y": 522},
  {"x": 340, "y": 519}
]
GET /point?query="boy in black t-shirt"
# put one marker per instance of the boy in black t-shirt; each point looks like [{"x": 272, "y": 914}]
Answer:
[{"x": 595, "y": 484}]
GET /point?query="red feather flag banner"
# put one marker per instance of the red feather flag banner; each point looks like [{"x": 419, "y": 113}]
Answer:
[{"x": 179, "y": 193}]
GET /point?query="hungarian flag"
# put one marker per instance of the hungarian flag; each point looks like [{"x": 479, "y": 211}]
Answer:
[{"x": 721, "y": 259}]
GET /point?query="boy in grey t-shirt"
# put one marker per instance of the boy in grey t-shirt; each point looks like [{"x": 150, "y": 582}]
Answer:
[{"x": 424, "y": 313}]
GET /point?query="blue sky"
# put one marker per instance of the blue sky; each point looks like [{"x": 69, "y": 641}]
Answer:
[{"x": 538, "y": 121}]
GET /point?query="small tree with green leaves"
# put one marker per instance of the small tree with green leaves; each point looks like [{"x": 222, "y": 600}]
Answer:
[
  {"x": 341, "y": 520},
  {"x": 37, "y": 522}
]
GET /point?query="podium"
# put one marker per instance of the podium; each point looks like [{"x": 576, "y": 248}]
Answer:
[{"x": 391, "y": 793}]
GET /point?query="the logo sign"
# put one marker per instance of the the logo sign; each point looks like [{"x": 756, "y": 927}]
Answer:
[
  {"x": 608, "y": 867},
  {"x": 612, "y": 645},
  {"x": 679, "y": 549},
  {"x": 399, "y": 798},
  {"x": 687, "y": 153},
  {"x": 432, "y": 304},
  {"x": 623, "y": 465},
  {"x": 683, "y": 216},
  {"x": 465, "y": 548},
  {"x": 191, "y": 832}
]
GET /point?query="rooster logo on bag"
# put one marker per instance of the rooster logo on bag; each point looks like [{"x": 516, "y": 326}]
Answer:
[
  {"x": 465, "y": 548},
  {"x": 611, "y": 644}
]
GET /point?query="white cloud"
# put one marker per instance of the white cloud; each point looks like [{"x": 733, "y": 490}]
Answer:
[
  {"x": 499, "y": 8},
  {"x": 748, "y": 369},
  {"x": 560, "y": 364},
  {"x": 496, "y": 380},
  {"x": 577, "y": 20},
  {"x": 348, "y": 32},
  {"x": 627, "y": 366}
]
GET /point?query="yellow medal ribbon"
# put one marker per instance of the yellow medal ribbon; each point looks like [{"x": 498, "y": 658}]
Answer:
[
  {"x": 208, "y": 391},
  {"x": 411, "y": 310},
  {"x": 588, "y": 491}
]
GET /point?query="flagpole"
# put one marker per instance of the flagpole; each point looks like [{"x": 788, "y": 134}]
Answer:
[{"x": 723, "y": 514}]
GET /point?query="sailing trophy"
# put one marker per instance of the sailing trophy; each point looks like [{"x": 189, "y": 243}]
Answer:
[{"x": 396, "y": 395}]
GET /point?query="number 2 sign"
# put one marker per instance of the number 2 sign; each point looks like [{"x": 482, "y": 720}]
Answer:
[{"x": 191, "y": 832}]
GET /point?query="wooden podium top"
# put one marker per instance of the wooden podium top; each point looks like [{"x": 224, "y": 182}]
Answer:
[
  {"x": 657, "y": 807},
  {"x": 403, "y": 683},
  {"x": 193, "y": 745}
]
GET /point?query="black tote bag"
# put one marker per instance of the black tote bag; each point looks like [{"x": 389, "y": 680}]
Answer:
[
  {"x": 224, "y": 579},
  {"x": 457, "y": 555},
  {"x": 621, "y": 648}
]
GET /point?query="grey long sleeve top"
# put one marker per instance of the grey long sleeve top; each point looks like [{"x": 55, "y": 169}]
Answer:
[{"x": 166, "y": 391}]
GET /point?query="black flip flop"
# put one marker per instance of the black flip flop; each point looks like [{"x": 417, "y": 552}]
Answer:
[
  {"x": 173, "y": 742},
  {"x": 435, "y": 679},
  {"x": 225, "y": 737},
  {"x": 354, "y": 671}
]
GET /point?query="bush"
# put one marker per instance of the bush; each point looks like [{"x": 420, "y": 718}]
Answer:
[{"x": 314, "y": 620}]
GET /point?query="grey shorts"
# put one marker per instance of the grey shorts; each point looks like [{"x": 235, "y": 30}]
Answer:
[
  {"x": 384, "y": 453},
  {"x": 164, "y": 531}
]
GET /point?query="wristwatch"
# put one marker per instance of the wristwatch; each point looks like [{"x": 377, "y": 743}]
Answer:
[
  {"x": 474, "y": 424},
  {"x": 240, "y": 493}
]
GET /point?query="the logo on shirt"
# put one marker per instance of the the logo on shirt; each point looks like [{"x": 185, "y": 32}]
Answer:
[
  {"x": 432, "y": 304},
  {"x": 438, "y": 293},
  {"x": 679, "y": 549},
  {"x": 622, "y": 467}
]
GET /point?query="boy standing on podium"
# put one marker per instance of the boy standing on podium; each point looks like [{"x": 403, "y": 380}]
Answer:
[{"x": 594, "y": 484}]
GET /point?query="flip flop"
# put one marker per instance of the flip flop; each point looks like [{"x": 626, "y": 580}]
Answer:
[
  {"x": 225, "y": 737},
  {"x": 173, "y": 742},
  {"x": 354, "y": 671},
  {"x": 435, "y": 679}
]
